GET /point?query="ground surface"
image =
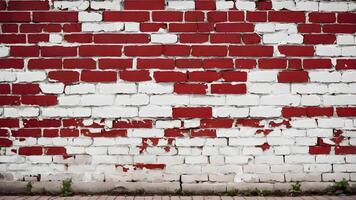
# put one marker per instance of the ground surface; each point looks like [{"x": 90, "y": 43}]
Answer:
[{"x": 103, "y": 197}]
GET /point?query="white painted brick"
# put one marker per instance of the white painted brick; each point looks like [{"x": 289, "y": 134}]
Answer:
[
  {"x": 155, "y": 88},
  {"x": 243, "y": 100},
  {"x": 253, "y": 168},
  {"x": 237, "y": 159},
  {"x": 284, "y": 99},
  {"x": 224, "y": 5},
  {"x": 89, "y": 17},
  {"x": 327, "y": 50},
  {"x": 295, "y": 39},
  {"x": 339, "y": 88},
  {"x": 252, "y": 151},
  {"x": 330, "y": 159},
  {"x": 295, "y": 159},
  {"x": 135, "y": 99},
  {"x": 267, "y": 88},
  {"x": 167, "y": 124},
  {"x": 275, "y": 38},
  {"x": 71, "y": 100},
  {"x": 335, "y": 176},
  {"x": 188, "y": 142},
  {"x": 52, "y": 88},
  {"x": 246, "y": 141},
  {"x": 280, "y": 140},
  {"x": 54, "y": 112},
  {"x": 310, "y": 88},
  {"x": 265, "y": 111},
  {"x": 116, "y": 88},
  {"x": 344, "y": 167},
  {"x": 169, "y": 99},
  {"x": 114, "y": 112},
  {"x": 339, "y": 100},
  {"x": 82, "y": 88},
  {"x": 191, "y": 123},
  {"x": 196, "y": 159},
  {"x": 345, "y": 39},
  {"x": 280, "y": 5},
  {"x": 307, "y": 5},
  {"x": 132, "y": 27},
  {"x": 310, "y": 100},
  {"x": 332, "y": 6},
  {"x": 265, "y": 27},
  {"x": 349, "y": 76},
  {"x": 181, "y": 5},
  {"x": 306, "y": 141},
  {"x": 97, "y": 100},
  {"x": 207, "y": 100},
  {"x": 269, "y": 159},
  {"x": 30, "y": 76},
  {"x": 324, "y": 77},
  {"x": 155, "y": 111},
  {"x": 106, "y": 5},
  {"x": 303, "y": 123},
  {"x": 230, "y": 112},
  {"x": 21, "y": 112},
  {"x": 331, "y": 123},
  {"x": 319, "y": 132},
  {"x": 164, "y": 38},
  {"x": 245, "y": 5},
  {"x": 348, "y": 51},
  {"x": 106, "y": 27},
  {"x": 6, "y": 76},
  {"x": 55, "y": 38},
  {"x": 282, "y": 150},
  {"x": 317, "y": 168},
  {"x": 71, "y": 5},
  {"x": 262, "y": 76},
  {"x": 79, "y": 112}
]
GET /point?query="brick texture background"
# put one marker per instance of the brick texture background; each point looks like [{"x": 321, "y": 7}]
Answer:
[{"x": 177, "y": 91}]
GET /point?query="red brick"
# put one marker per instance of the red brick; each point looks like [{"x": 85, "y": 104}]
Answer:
[
  {"x": 38, "y": 28},
  {"x": 295, "y": 64},
  {"x": 317, "y": 64},
  {"x": 174, "y": 132},
  {"x": 205, "y": 5},
  {"x": 69, "y": 132},
  {"x": 146, "y": 123},
  {"x": 194, "y": 16},
  {"x": 100, "y": 50},
  {"x": 288, "y": 112},
  {"x": 126, "y": 16},
  {"x": 234, "y": 76},
  {"x": 245, "y": 63},
  {"x": 318, "y": 17},
  {"x": 9, "y": 100},
  {"x": 64, "y": 76},
  {"x": 26, "y": 133},
  {"x": 256, "y": 16},
  {"x": 155, "y": 63},
  {"x": 189, "y": 63},
  {"x": 204, "y": 50},
  {"x": 111, "y": 63},
  {"x": 43, "y": 100},
  {"x": 169, "y": 76},
  {"x": 167, "y": 16},
  {"x": 344, "y": 150},
  {"x": 183, "y": 27},
  {"x": 4, "y": 142},
  {"x": 79, "y": 38},
  {"x": 27, "y": 5},
  {"x": 44, "y": 64},
  {"x": 36, "y": 38},
  {"x": 314, "y": 111},
  {"x": 251, "y": 38},
  {"x": 225, "y": 38},
  {"x": 15, "y": 17},
  {"x": 228, "y": 89},
  {"x": 203, "y": 133},
  {"x": 144, "y": 4},
  {"x": 286, "y": 16},
  {"x": 152, "y": 50},
  {"x": 181, "y": 88},
  {"x": 104, "y": 133},
  {"x": 339, "y": 28},
  {"x": 345, "y": 64},
  {"x": 319, "y": 39},
  {"x": 152, "y": 27},
  {"x": 193, "y": 38},
  {"x": 309, "y": 28},
  {"x": 5, "y": 89},
  {"x": 79, "y": 64},
  {"x": 293, "y": 77},
  {"x": 234, "y": 27},
  {"x": 58, "y": 51},
  {"x": 249, "y": 122},
  {"x": 346, "y": 111},
  {"x": 149, "y": 166},
  {"x": 135, "y": 76},
  {"x": 176, "y": 50},
  {"x": 62, "y": 16},
  {"x": 192, "y": 112},
  {"x": 4, "y": 133},
  {"x": 98, "y": 76},
  {"x": 264, "y": 5},
  {"x": 12, "y": 38},
  {"x": 217, "y": 16},
  {"x": 121, "y": 38},
  {"x": 27, "y": 88},
  {"x": 28, "y": 151},
  {"x": 8, "y": 63},
  {"x": 346, "y": 17},
  {"x": 296, "y": 50},
  {"x": 54, "y": 151},
  {"x": 236, "y": 16},
  {"x": 216, "y": 123},
  {"x": 50, "y": 133},
  {"x": 251, "y": 51},
  {"x": 274, "y": 63},
  {"x": 9, "y": 28},
  {"x": 314, "y": 150},
  {"x": 223, "y": 63},
  {"x": 72, "y": 27},
  {"x": 9, "y": 123},
  {"x": 203, "y": 76},
  {"x": 35, "y": 123}
]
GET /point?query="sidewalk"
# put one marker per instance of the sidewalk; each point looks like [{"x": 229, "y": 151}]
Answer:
[{"x": 104, "y": 197}]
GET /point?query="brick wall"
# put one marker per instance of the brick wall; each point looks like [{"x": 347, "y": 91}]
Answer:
[{"x": 178, "y": 92}]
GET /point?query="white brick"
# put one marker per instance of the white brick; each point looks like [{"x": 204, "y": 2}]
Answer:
[
  {"x": 331, "y": 123},
  {"x": 286, "y": 99},
  {"x": 79, "y": 112},
  {"x": 106, "y": 27},
  {"x": 269, "y": 159},
  {"x": 262, "y": 76},
  {"x": 306, "y": 141},
  {"x": 114, "y": 112},
  {"x": 287, "y": 168},
  {"x": 332, "y": 159},
  {"x": 310, "y": 88},
  {"x": 124, "y": 88},
  {"x": 252, "y": 151},
  {"x": 242, "y": 100},
  {"x": 324, "y": 77},
  {"x": 349, "y": 76},
  {"x": 265, "y": 111},
  {"x": 344, "y": 167},
  {"x": 191, "y": 123},
  {"x": 328, "y": 50},
  {"x": 55, "y": 38},
  {"x": 71, "y": 5},
  {"x": 339, "y": 100},
  {"x": 71, "y": 100},
  {"x": 30, "y": 76},
  {"x": 237, "y": 159},
  {"x": 267, "y": 88},
  {"x": 265, "y": 27},
  {"x": 89, "y": 17},
  {"x": 54, "y": 112},
  {"x": 245, "y": 5},
  {"x": 97, "y": 100},
  {"x": 181, "y": 5},
  {"x": 207, "y": 100},
  {"x": 4, "y": 51},
  {"x": 106, "y": 5},
  {"x": 6, "y": 76},
  {"x": 310, "y": 100},
  {"x": 280, "y": 140},
  {"x": 164, "y": 38},
  {"x": 82, "y": 88},
  {"x": 196, "y": 159},
  {"x": 345, "y": 39},
  {"x": 155, "y": 88},
  {"x": 335, "y": 176},
  {"x": 317, "y": 168},
  {"x": 118, "y": 150},
  {"x": 279, "y": 5},
  {"x": 168, "y": 124},
  {"x": 224, "y": 5},
  {"x": 339, "y": 88},
  {"x": 169, "y": 99},
  {"x": 21, "y": 112},
  {"x": 299, "y": 159},
  {"x": 348, "y": 51},
  {"x": 230, "y": 112},
  {"x": 282, "y": 150},
  {"x": 246, "y": 141},
  {"x": 189, "y": 142},
  {"x": 155, "y": 111},
  {"x": 132, "y": 27},
  {"x": 295, "y": 39},
  {"x": 275, "y": 38},
  {"x": 307, "y": 5},
  {"x": 135, "y": 99},
  {"x": 333, "y": 6},
  {"x": 52, "y": 88},
  {"x": 303, "y": 123},
  {"x": 320, "y": 132}
]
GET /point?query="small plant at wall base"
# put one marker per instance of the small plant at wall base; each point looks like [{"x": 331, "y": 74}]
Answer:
[
  {"x": 29, "y": 188},
  {"x": 340, "y": 187},
  {"x": 295, "y": 190},
  {"x": 66, "y": 189}
]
